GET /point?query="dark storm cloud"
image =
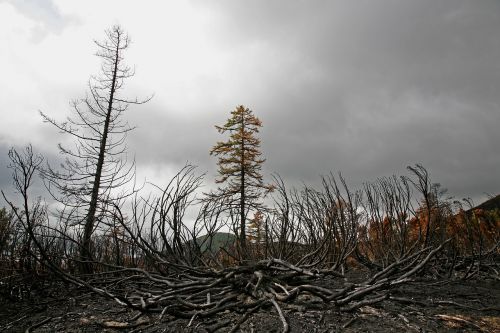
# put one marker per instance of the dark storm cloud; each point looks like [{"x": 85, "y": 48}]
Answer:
[{"x": 370, "y": 87}]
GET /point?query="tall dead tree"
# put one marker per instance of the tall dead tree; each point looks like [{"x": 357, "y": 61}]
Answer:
[
  {"x": 96, "y": 168},
  {"x": 240, "y": 165}
]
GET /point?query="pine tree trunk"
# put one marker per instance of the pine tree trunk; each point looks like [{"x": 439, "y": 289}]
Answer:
[{"x": 243, "y": 236}]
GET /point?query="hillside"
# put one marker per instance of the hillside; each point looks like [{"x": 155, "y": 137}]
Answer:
[
  {"x": 490, "y": 205},
  {"x": 217, "y": 241}
]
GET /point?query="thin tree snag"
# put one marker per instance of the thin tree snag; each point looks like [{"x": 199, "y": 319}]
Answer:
[{"x": 92, "y": 178}]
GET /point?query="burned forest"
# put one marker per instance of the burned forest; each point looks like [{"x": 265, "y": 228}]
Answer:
[{"x": 104, "y": 253}]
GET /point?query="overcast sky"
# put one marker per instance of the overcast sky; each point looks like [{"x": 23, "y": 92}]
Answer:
[{"x": 361, "y": 87}]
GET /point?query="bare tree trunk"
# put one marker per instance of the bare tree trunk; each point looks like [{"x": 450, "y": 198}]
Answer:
[
  {"x": 86, "y": 251},
  {"x": 87, "y": 181}
]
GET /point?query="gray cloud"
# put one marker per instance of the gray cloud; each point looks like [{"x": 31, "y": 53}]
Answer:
[
  {"x": 372, "y": 87},
  {"x": 45, "y": 14},
  {"x": 365, "y": 88},
  {"x": 5, "y": 173}
]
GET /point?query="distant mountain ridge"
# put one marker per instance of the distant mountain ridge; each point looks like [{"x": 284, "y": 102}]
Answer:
[
  {"x": 490, "y": 204},
  {"x": 216, "y": 241}
]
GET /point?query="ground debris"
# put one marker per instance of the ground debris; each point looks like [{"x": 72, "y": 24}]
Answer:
[
  {"x": 121, "y": 324},
  {"x": 462, "y": 321},
  {"x": 93, "y": 313}
]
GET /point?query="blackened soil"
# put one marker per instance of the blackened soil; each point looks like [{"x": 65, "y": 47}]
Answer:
[{"x": 425, "y": 306}]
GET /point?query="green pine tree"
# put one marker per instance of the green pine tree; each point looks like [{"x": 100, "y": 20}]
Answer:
[{"x": 240, "y": 168}]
